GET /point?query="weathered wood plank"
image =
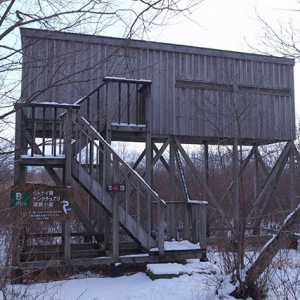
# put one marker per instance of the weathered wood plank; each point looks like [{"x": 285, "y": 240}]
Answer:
[{"x": 185, "y": 81}]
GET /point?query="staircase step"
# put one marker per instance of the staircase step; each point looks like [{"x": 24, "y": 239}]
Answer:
[
  {"x": 171, "y": 270},
  {"x": 128, "y": 127},
  {"x": 43, "y": 160},
  {"x": 96, "y": 190}
]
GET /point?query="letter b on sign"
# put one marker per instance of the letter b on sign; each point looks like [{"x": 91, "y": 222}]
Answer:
[{"x": 20, "y": 198}]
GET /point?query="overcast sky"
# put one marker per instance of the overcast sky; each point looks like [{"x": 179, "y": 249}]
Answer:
[
  {"x": 225, "y": 24},
  {"x": 230, "y": 25}
]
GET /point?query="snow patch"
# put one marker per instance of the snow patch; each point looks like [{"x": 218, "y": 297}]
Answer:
[{"x": 179, "y": 245}]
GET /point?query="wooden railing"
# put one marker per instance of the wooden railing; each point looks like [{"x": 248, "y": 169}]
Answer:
[
  {"x": 120, "y": 184},
  {"x": 43, "y": 128},
  {"x": 116, "y": 100}
]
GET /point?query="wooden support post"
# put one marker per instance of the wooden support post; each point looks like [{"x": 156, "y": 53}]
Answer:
[
  {"x": 66, "y": 240},
  {"x": 106, "y": 171},
  {"x": 107, "y": 231},
  {"x": 186, "y": 225},
  {"x": 202, "y": 182},
  {"x": 100, "y": 224},
  {"x": 172, "y": 220},
  {"x": 20, "y": 172},
  {"x": 15, "y": 254},
  {"x": 282, "y": 210},
  {"x": 172, "y": 209},
  {"x": 238, "y": 230},
  {"x": 195, "y": 219},
  {"x": 161, "y": 238},
  {"x": 256, "y": 187},
  {"x": 66, "y": 225},
  {"x": 202, "y": 229},
  {"x": 272, "y": 177},
  {"x": 116, "y": 217},
  {"x": 235, "y": 200},
  {"x": 292, "y": 182},
  {"x": 149, "y": 156},
  {"x": 20, "y": 176},
  {"x": 86, "y": 222},
  {"x": 206, "y": 169},
  {"x": 206, "y": 179}
]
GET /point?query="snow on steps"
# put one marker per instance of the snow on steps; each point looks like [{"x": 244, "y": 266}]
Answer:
[{"x": 171, "y": 270}]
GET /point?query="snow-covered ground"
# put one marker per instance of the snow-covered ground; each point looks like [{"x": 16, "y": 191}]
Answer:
[
  {"x": 201, "y": 281},
  {"x": 134, "y": 287}
]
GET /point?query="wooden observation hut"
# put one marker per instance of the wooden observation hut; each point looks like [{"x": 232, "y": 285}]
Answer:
[{"x": 81, "y": 93}]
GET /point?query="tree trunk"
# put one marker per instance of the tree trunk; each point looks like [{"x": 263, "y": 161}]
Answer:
[{"x": 280, "y": 240}]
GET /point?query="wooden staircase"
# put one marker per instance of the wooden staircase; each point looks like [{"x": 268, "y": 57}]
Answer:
[
  {"x": 73, "y": 141},
  {"x": 79, "y": 149}
]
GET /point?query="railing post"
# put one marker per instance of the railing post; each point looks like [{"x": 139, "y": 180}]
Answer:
[
  {"x": 202, "y": 229},
  {"x": 161, "y": 238},
  {"x": 66, "y": 225},
  {"x": 149, "y": 154},
  {"x": 67, "y": 146},
  {"x": 116, "y": 217}
]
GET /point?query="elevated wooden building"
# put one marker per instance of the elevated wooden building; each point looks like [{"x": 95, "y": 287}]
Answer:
[{"x": 80, "y": 93}]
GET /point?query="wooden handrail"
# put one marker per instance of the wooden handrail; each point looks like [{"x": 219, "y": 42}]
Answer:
[{"x": 114, "y": 153}]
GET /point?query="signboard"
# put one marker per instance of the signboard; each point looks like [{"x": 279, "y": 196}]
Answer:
[
  {"x": 116, "y": 187},
  {"x": 38, "y": 202}
]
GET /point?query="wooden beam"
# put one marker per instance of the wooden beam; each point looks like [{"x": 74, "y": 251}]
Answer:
[
  {"x": 160, "y": 152},
  {"x": 86, "y": 223},
  {"x": 209, "y": 193},
  {"x": 272, "y": 190},
  {"x": 275, "y": 172},
  {"x": 139, "y": 159},
  {"x": 158, "y": 155},
  {"x": 167, "y": 167},
  {"x": 243, "y": 167},
  {"x": 296, "y": 153}
]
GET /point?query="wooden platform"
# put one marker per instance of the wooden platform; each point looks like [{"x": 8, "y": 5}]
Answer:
[{"x": 175, "y": 252}]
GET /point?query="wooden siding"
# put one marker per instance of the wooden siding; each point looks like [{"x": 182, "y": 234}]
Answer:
[{"x": 197, "y": 94}]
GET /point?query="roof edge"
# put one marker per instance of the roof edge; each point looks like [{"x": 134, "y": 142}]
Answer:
[{"x": 77, "y": 37}]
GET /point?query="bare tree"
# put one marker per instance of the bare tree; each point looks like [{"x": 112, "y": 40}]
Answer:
[
  {"x": 119, "y": 18},
  {"x": 129, "y": 19},
  {"x": 280, "y": 37}
]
